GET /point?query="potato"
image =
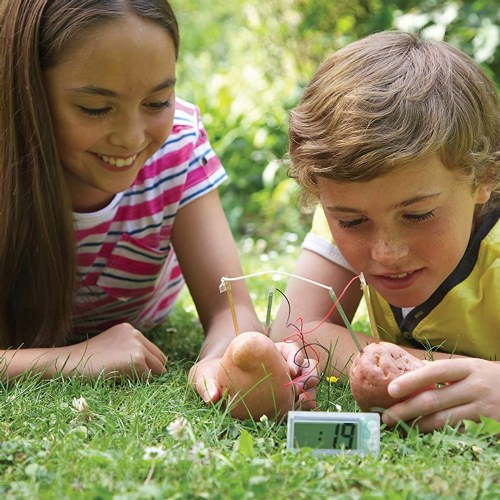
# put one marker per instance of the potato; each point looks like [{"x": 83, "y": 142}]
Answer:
[
  {"x": 255, "y": 378},
  {"x": 373, "y": 369}
]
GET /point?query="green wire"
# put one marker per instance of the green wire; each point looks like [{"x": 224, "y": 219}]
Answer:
[
  {"x": 269, "y": 307},
  {"x": 346, "y": 321}
]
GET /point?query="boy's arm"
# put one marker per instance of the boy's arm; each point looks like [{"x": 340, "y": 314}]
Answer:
[
  {"x": 311, "y": 304},
  {"x": 339, "y": 348}
]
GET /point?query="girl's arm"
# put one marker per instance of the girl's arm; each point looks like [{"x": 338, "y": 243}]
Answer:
[
  {"x": 121, "y": 350},
  {"x": 206, "y": 252}
]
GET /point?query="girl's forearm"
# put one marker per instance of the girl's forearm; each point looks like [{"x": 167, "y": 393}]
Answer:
[{"x": 45, "y": 361}]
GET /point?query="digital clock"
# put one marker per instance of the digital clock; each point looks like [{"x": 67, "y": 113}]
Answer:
[{"x": 334, "y": 433}]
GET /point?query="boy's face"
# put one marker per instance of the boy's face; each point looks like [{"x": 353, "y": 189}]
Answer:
[
  {"x": 112, "y": 103},
  {"x": 406, "y": 231}
]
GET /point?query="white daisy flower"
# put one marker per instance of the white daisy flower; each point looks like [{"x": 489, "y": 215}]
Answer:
[
  {"x": 153, "y": 453},
  {"x": 179, "y": 428}
]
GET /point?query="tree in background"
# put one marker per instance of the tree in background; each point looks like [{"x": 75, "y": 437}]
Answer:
[{"x": 245, "y": 64}]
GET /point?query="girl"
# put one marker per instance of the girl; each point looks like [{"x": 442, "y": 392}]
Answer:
[
  {"x": 97, "y": 154},
  {"x": 398, "y": 139}
]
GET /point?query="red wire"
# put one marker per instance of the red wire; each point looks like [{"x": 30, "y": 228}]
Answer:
[
  {"x": 333, "y": 307},
  {"x": 300, "y": 334}
]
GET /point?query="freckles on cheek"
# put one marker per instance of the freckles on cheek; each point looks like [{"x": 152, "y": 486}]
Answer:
[
  {"x": 353, "y": 250},
  {"x": 350, "y": 244},
  {"x": 444, "y": 233}
]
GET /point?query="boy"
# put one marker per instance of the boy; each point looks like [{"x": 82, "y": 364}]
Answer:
[{"x": 398, "y": 139}]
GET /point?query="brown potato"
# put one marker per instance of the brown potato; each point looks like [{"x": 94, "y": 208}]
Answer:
[
  {"x": 373, "y": 369},
  {"x": 255, "y": 378}
]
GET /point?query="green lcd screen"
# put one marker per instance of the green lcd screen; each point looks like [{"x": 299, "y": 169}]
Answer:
[{"x": 326, "y": 435}]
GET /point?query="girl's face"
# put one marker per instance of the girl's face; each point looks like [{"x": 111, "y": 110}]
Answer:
[
  {"x": 112, "y": 100},
  {"x": 406, "y": 231}
]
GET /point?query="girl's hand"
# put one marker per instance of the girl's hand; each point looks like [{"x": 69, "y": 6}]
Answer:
[
  {"x": 466, "y": 390},
  {"x": 303, "y": 372},
  {"x": 203, "y": 377},
  {"x": 119, "y": 350}
]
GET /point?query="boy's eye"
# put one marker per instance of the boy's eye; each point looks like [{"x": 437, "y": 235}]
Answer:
[
  {"x": 419, "y": 217},
  {"x": 349, "y": 224},
  {"x": 94, "y": 111}
]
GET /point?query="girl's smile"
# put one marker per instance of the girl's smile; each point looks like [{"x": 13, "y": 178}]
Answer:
[
  {"x": 406, "y": 231},
  {"x": 118, "y": 162},
  {"x": 108, "y": 123}
]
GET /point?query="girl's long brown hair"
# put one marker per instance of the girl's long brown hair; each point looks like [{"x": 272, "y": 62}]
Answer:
[{"x": 37, "y": 242}]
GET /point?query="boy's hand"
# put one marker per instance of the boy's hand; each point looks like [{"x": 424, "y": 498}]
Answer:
[
  {"x": 303, "y": 372},
  {"x": 203, "y": 376},
  {"x": 466, "y": 389}
]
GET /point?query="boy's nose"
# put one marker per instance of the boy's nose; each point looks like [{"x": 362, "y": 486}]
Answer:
[{"x": 388, "y": 248}]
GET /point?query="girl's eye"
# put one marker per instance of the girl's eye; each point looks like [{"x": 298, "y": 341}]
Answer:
[
  {"x": 420, "y": 217},
  {"x": 159, "y": 105},
  {"x": 349, "y": 224},
  {"x": 94, "y": 111}
]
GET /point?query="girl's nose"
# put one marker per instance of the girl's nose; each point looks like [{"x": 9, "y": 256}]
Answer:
[{"x": 129, "y": 132}]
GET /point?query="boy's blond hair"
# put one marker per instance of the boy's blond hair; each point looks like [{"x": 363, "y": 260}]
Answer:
[{"x": 389, "y": 99}]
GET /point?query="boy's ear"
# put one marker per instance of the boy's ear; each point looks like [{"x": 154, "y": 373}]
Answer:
[{"x": 483, "y": 194}]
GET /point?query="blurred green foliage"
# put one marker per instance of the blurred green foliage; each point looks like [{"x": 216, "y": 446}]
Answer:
[{"x": 245, "y": 63}]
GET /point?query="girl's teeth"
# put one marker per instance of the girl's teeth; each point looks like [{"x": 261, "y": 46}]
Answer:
[{"x": 118, "y": 162}]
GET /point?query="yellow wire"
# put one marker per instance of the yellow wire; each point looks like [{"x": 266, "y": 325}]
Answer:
[{"x": 231, "y": 306}]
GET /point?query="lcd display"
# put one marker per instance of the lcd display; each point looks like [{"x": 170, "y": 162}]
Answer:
[{"x": 326, "y": 435}]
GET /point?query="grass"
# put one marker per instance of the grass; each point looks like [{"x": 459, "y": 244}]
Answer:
[{"x": 120, "y": 442}]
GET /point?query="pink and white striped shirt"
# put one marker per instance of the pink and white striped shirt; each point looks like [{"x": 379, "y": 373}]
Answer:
[{"x": 127, "y": 269}]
